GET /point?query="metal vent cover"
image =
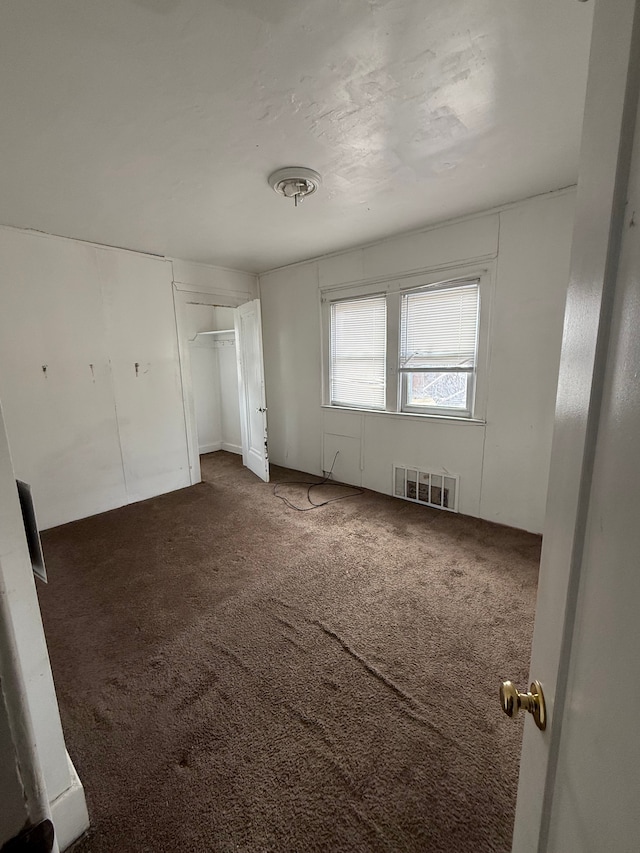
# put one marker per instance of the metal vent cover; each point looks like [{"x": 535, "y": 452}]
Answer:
[{"x": 438, "y": 489}]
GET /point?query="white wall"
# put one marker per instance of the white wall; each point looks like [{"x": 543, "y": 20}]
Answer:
[
  {"x": 238, "y": 286},
  {"x": 62, "y": 425},
  {"x": 206, "y": 394},
  {"x": 503, "y": 463},
  {"x": 291, "y": 346},
  {"x": 94, "y": 431},
  {"x": 205, "y": 377},
  {"x": 531, "y": 285},
  {"x": 228, "y": 376},
  {"x": 142, "y": 344}
]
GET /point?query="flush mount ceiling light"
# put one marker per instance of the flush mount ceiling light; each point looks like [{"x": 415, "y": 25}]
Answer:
[{"x": 295, "y": 182}]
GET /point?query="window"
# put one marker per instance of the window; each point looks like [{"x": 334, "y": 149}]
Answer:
[
  {"x": 438, "y": 344},
  {"x": 358, "y": 352},
  {"x": 406, "y": 350}
]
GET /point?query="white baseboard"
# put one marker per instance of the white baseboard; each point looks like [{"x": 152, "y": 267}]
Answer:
[
  {"x": 232, "y": 448},
  {"x": 219, "y": 445},
  {"x": 69, "y": 811},
  {"x": 210, "y": 448}
]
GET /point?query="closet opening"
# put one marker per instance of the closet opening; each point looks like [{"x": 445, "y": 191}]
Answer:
[
  {"x": 214, "y": 377},
  {"x": 222, "y": 378}
]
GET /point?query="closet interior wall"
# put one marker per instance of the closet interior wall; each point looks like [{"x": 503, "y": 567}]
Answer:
[{"x": 214, "y": 377}]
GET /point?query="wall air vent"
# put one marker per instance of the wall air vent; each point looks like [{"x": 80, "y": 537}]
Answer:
[{"x": 438, "y": 489}]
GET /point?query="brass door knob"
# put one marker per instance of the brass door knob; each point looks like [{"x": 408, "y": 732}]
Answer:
[{"x": 533, "y": 702}]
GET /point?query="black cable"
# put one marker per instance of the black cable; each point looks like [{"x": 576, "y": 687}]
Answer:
[{"x": 312, "y": 485}]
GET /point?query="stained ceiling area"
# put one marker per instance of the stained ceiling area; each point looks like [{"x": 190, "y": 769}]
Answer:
[{"x": 154, "y": 124}]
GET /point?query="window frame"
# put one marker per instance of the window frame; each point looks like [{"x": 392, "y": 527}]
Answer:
[
  {"x": 364, "y": 297},
  {"x": 393, "y": 289},
  {"x": 442, "y": 411}
]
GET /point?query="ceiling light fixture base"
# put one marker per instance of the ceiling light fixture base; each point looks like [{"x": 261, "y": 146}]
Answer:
[{"x": 296, "y": 182}]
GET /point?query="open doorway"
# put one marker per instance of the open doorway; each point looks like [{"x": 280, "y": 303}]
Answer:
[
  {"x": 222, "y": 374},
  {"x": 214, "y": 377}
]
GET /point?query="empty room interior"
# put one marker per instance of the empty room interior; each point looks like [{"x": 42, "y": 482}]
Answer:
[{"x": 282, "y": 292}]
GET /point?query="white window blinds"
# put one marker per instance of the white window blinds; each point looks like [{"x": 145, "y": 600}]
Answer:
[
  {"x": 358, "y": 352},
  {"x": 439, "y": 329}
]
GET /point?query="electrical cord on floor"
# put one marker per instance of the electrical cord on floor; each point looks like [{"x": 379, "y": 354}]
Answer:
[{"x": 355, "y": 491}]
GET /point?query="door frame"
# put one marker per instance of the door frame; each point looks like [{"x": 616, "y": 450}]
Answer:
[
  {"x": 183, "y": 296},
  {"x": 607, "y": 139},
  {"x": 49, "y": 785}
]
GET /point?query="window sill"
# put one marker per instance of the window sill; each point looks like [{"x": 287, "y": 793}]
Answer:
[{"x": 449, "y": 419}]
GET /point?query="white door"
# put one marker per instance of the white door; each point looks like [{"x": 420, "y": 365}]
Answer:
[
  {"x": 579, "y": 788},
  {"x": 253, "y": 405}
]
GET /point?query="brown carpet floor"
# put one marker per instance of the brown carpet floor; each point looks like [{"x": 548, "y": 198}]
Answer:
[{"x": 237, "y": 676}]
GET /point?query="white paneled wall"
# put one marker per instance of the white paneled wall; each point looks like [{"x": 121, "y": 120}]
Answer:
[
  {"x": 503, "y": 463},
  {"x": 143, "y": 350},
  {"x": 61, "y": 422},
  {"x": 291, "y": 344},
  {"x": 531, "y": 283},
  {"x": 90, "y": 379}
]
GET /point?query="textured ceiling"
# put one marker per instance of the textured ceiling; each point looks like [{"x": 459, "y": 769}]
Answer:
[{"x": 154, "y": 124}]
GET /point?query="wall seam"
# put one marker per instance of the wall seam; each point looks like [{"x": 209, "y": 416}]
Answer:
[{"x": 111, "y": 380}]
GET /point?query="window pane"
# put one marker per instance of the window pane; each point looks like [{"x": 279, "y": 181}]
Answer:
[
  {"x": 358, "y": 352},
  {"x": 439, "y": 328},
  {"x": 440, "y": 390}
]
